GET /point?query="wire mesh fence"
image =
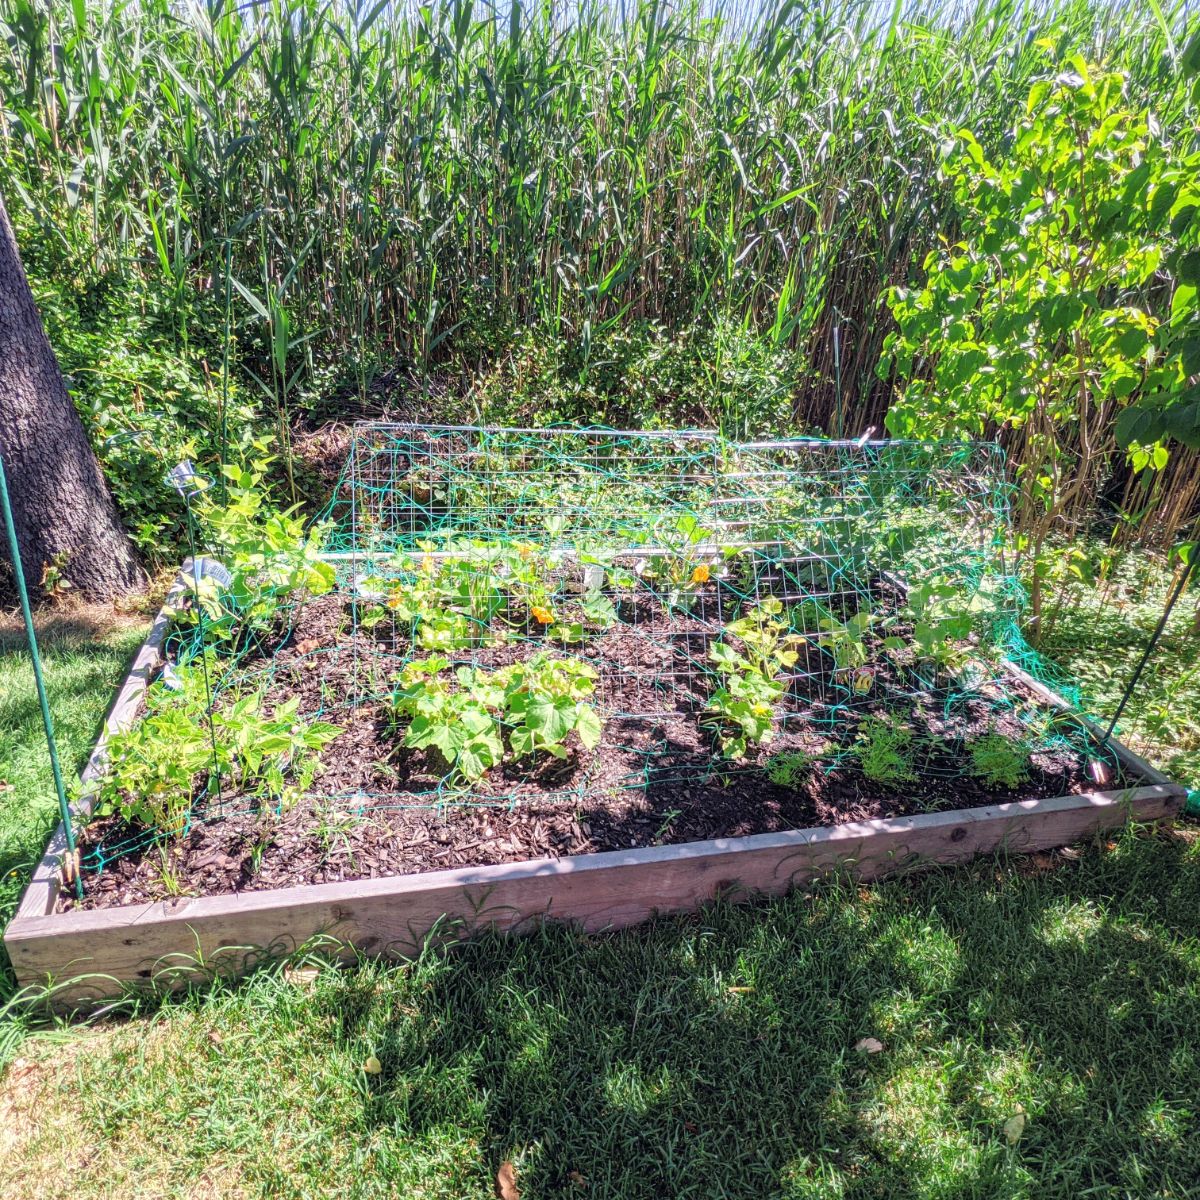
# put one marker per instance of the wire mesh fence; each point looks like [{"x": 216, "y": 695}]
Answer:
[{"x": 568, "y": 615}]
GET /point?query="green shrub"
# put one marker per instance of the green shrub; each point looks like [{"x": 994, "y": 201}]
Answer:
[
  {"x": 639, "y": 374},
  {"x": 146, "y": 400}
]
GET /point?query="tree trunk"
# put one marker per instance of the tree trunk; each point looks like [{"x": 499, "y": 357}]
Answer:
[{"x": 62, "y": 509}]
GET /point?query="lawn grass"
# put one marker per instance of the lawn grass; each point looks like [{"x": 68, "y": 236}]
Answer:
[
  {"x": 711, "y": 1056},
  {"x": 84, "y": 652},
  {"x": 1096, "y": 636}
]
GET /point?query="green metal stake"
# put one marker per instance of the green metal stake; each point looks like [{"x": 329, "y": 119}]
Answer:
[{"x": 47, "y": 721}]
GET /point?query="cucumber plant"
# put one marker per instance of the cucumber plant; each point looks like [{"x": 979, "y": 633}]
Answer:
[{"x": 466, "y": 713}]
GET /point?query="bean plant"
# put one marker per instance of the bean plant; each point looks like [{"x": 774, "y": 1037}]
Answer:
[
  {"x": 272, "y": 560},
  {"x": 181, "y": 750}
]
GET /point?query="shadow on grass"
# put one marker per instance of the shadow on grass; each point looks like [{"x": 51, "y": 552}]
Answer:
[
  {"x": 715, "y": 1056},
  {"x": 76, "y": 627}
]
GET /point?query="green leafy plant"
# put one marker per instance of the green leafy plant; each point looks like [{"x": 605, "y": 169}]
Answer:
[
  {"x": 151, "y": 776},
  {"x": 742, "y": 708},
  {"x": 457, "y": 718},
  {"x": 1171, "y": 410},
  {"x": 545, "y": 700},
  {"x": 942, "y": 618},
  {"x": 845, "y": 640},
  {"x": 526, "y": 576},
  {"x": 1036, "y": 318},
  {"x": 998, "y": 761},
  {"x": 158, "y": 767},
  {"x": 273, "y": 753},
  {"x": 271, "y": 560},
  {"x": 883, "y": 749},
  {"x": 688, "y": 561},
  {"x": 596, "y": 611},
  {"x": 466, "y": 714},
  {"x": 448, "y": 602}
]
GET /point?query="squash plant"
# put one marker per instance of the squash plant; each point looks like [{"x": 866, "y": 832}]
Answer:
[
  {"x": 466, "y": 713},
  {"x": 448, "y": 603},
  {"x": 687, "y": 561}
]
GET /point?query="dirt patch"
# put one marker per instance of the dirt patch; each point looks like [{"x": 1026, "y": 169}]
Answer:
[{"x": 72, "y": 623}]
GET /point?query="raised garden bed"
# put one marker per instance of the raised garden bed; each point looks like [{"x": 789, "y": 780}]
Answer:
[{"x": 379, "y": 852}]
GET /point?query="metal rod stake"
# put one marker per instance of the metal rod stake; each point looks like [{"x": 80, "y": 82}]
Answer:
[{"x": 64, "y": 808}]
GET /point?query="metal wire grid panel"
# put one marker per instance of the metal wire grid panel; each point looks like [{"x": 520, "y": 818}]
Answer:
[
  {"x": 677, "y": 535},
  {"x": 637, "y": 554},
  {"x": 406, "y": 485}
]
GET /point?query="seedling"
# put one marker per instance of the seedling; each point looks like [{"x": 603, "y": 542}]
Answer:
[
  {"x": 789, "y": 769},
  {"x": 884, "y": 751},
  {"x": 999, "y": 762}
]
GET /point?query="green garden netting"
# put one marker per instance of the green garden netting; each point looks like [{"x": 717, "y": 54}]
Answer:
[{"x": 879, "y": 564}]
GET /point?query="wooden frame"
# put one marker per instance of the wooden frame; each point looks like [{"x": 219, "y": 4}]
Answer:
[{"x": 95, "y": 954}]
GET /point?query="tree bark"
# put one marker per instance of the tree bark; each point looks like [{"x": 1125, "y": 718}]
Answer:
[{"x": 62, "y": 509}]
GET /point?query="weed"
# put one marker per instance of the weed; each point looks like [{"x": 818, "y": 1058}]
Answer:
[
  {"x": 883, "y": 749},
  {"x": 998, "y": 761}
]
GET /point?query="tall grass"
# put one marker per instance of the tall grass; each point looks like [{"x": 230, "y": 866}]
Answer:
[{"x": 381, "y": 179}]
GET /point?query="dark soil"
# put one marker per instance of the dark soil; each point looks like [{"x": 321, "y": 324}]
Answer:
[{"x": 374, "y": 810}]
